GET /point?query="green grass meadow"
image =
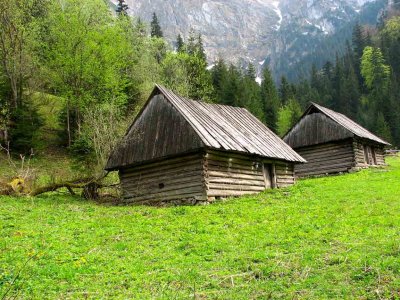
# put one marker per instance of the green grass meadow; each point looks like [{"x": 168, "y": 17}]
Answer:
[{"x": 335, "y": 237}]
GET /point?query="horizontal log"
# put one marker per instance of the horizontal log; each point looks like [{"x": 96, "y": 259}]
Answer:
[
  {"x": 322, "y": 172},
  {"x": 235, "y": 160},
  {"x": 234, "y": 187},
  {"x": 166, "y": 182},
  {"x": 154, "y": 190},
  {"x": 226, "y": 164},
  {"x": 177, "y": 173},
  {"x": 196, "y": 190},
  {"x": 233, "y": 170},
  {"x": 232, "y": 155},
  {"x": 156, "y": 199},
  {"x": 285, "y": 177},
  {"x": 325, "y": 147},
  {"x": 168, "y": 161},
  {"x": 329, "y": 155},
  {"x": 325, "y": 166},
  {"x": 227, "y": 180},
  {"x": 326, "y": 162},
  {"x": 189, "y": 166},
  {"x": 229, "y": 193},
  {"x": 346, "y": 148},
  {"x": 258, "y": 176},
  {"x": 285, "y": 180},
  {"x": 284, "y": 185}
]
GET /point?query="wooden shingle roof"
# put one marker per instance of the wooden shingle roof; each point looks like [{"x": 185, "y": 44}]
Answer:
[
  {"x": 349, "y": 124},
  {"x": 215, "y": 126},
  {"x": 345, "y": 126},
  {"x": 231, "y": 128}
]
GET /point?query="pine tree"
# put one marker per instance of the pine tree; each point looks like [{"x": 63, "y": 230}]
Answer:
[
  {"x": 270, "y": 100},
  {"x": 359, "y": 44},
  {"x": 285, "y": 91},
  {"x": 249, "y": 93},
  {"x": 180, "y": 44},
  {"x": 251, "y": 72},
  {"x": 122, "y": 8},
  {"x": 195, "y": 45},
  {"x": 382, "y": 128},
  {"x": 191, "y": 43},
  {"x": 200, "y": 52},
  {"x": 155, "y": 27},
  {"x": 220, "y": 80},
  {"x": 141, "y": 27}
]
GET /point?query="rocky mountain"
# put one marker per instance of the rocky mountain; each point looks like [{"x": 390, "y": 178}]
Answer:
[{"x": 287, "y": 35}]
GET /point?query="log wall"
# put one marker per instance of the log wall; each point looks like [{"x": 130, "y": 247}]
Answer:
[
  {"x": 204, "y": 176},
  {"x": 229, "y": 174},
  {"x": 284, "y": 173},
  {"x": 367, "y": 153},
  {"x": 178, "y": 180},
  {"x": 326, "y": 158}
]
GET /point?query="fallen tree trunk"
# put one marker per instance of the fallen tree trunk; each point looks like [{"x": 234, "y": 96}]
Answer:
[
  {"x": 90, "y": 187},
  {"x": 56, "y": 186}
]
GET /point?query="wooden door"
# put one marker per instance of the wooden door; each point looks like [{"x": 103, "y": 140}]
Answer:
[{"x": 268, "y": 171}]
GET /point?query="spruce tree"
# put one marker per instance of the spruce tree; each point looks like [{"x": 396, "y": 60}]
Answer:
[
  {"x": 180, "y": 44},
  {"x": 270, "y": 100},
  {"x": 359, "y": 44},
  {"x": 155, "y": 27},
  {"x": 141, "y": 27},
  {"x": 251, "y": 72},
  {"x": 285, "y": 91},
  {"x": 200, "y": 52}
]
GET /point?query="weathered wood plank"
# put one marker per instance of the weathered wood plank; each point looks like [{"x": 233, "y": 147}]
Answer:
[
  {"x": 229, "y": 193},
  {"x": 234, "y": 175},
  {"x": 226, "y": 180}
]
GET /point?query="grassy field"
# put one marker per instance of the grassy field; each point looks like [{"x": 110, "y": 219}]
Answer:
[{"x": 326, "y": 238}]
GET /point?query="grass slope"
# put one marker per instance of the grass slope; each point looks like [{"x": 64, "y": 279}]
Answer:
[{"x": 326, "y": 238}]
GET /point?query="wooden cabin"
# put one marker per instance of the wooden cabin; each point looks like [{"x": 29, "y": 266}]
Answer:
[
  {"x": 332, "y": 143},
  {"x": 183, "y": 151}
]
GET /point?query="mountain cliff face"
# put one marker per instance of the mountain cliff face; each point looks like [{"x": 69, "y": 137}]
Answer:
[{"x": 278, "y": 33}]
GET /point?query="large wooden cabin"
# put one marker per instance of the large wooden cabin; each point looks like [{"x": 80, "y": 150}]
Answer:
[
  {"x": 333, "y": 143},
  {"x": 183, "y": 151}
]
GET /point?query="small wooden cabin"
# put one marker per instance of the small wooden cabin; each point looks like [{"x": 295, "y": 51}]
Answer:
[
  {"x": 332, "y": 143},
  {"x": 184, "y": 151}
]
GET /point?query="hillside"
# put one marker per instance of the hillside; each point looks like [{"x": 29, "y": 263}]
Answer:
[
  {"x": 326, "y": 238},
  {"x": 285, "y": 35}
]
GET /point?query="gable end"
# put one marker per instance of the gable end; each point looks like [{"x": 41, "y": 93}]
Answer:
[{"x": 159, "y": 131}]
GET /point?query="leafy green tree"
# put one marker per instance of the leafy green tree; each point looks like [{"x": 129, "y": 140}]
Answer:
[
  {"x": 288, "y": 116},
  {"x": 187, "y": 74},
  {"x": 85, "y": 58},
  {"x": 374, "y": 69},
  {"x": 155, "y": 27},
  {"x": 19, "y": 26}
]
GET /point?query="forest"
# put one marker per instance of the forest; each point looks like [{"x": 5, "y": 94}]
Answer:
[{"x": 100, "y": 67}]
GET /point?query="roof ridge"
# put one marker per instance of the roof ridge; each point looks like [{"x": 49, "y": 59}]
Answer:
[{"x": 333, "y": 116}]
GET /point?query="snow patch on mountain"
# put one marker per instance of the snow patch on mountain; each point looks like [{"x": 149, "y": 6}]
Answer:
[{"x": 277, "y": 10}]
